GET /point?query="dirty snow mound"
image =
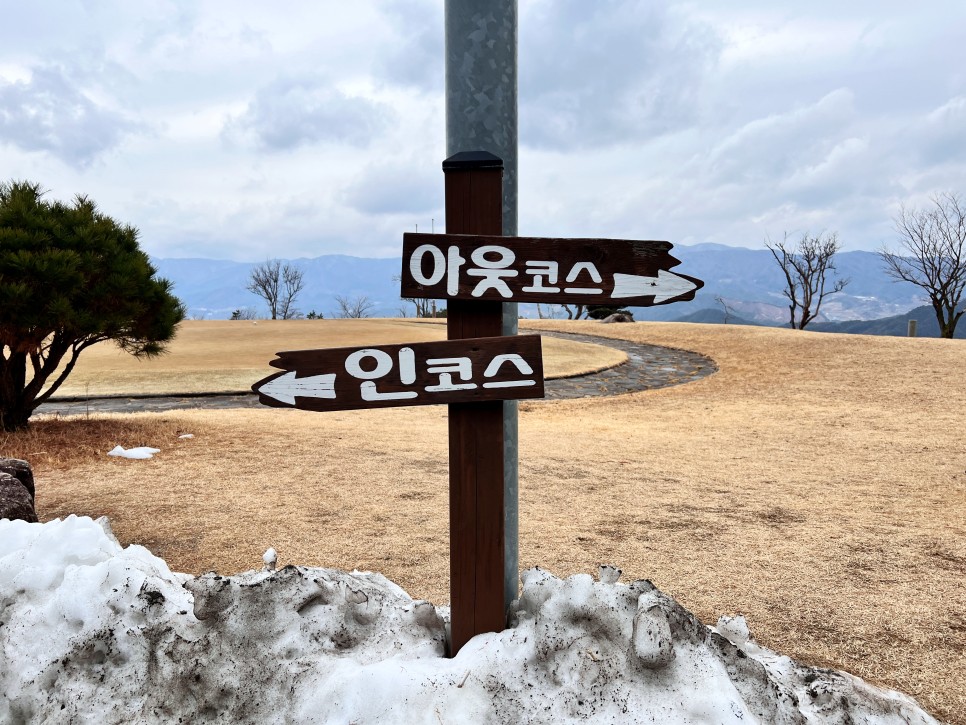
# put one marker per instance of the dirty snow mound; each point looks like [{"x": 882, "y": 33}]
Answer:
[{"x": 93, "y": 632}]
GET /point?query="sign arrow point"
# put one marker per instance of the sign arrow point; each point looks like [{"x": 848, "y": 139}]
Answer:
[
  {"x": 286, "y": 387},
  {"x": 665, "y": 286}
]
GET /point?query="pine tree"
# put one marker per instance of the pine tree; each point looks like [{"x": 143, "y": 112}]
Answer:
[{"x": 70, "y": 277}]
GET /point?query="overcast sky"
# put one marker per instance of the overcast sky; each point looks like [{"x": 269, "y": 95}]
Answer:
[{"x": 247, "y": 130}]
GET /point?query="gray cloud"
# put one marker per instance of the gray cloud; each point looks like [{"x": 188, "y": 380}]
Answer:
[
  {"x": 51, "y": 113},
  {"x": 780, "y": 144},
  {"x": 415, "y": 58},
  {"x": 415, "y": 190},
  {"x": 293, "y": 112},
  {"x": 609, "y": 72},
  {"x": 944, "y": 133}
]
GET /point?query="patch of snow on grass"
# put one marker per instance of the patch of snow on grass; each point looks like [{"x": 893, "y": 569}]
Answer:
[{"x": 140, "y": 453}]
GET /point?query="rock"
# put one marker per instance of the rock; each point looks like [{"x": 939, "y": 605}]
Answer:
[
  {"x": 619, "y": 317},
  {"x": 21, "y": 471},
  {"x": 15, "y": 500}
]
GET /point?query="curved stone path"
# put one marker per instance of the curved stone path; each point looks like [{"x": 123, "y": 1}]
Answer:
[{"x": 648, "y": 367}]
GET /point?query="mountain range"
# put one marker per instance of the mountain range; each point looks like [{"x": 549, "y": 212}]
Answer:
[
  {"x": 750, "y": 283},
  {"x": 744, "y": 285}
]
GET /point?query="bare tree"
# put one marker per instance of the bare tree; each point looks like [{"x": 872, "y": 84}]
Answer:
[
  {"x": 278, "y": 284},
  {"x": 805, "y": 265},
  {"x": 724, "y": 305},
  {"x": 549, "y": 311},
  {"x": 934, "y": 239},
  {"x": 574, "y": 312},
  {"x": 424, "y": 307},
  {"x": 264, "y": 281},
  {"x": 355, "y": 307},
  {"x": 292, "y": 284}
]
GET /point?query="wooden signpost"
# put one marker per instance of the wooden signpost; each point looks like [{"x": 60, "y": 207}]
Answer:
[
  {"x": 477, "y": 523},
  {"x": 476, "y": 369}
]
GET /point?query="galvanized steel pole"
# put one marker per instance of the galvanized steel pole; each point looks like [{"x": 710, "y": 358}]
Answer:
[{"x": 481, "y": 115}]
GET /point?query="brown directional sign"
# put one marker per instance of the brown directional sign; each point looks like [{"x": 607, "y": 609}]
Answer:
[
  {"x": 532, "y": 269},
  {"x": 422, "y": 373}
]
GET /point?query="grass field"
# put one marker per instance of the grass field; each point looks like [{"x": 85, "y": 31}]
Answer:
[{"x": 816, "y": 484}]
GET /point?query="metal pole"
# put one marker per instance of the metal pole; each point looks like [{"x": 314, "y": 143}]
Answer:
[{"x": 481, "y": 115}]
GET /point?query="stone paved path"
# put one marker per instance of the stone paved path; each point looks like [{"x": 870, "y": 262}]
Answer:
[{"x": 648, "y": 367}]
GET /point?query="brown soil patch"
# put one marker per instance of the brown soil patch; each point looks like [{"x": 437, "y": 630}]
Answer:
[
  {"x": 223, "y": 355},
  {"x": 816, "y": 484}
]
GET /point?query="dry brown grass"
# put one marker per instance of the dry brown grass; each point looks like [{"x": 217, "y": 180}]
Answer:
[
  {"x": 54, "y": 443},
  {"x": 817, "y": 484},
  {"x": 225, "y": 356}
]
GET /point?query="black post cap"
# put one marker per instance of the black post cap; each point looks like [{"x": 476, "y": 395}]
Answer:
[{"x": 472, "y": 160}]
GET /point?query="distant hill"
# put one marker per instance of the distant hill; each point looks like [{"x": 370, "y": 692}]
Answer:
[
  {"x": 213, "y": 288},
  {"x": 748, "y": 280},
  {"x": 708, "y": 315},
  {"x": 898, "y": 325},
  {"x": 751, "y": 283}
]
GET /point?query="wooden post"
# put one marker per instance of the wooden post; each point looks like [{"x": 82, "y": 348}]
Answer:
[
  {"x": 912, "y": 328},
  {"x": 474, "y": 205}
]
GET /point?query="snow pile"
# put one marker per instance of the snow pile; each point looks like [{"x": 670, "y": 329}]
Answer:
[
  {"x": 139, "y": 453},
  {"x": 93, "y": 632}
]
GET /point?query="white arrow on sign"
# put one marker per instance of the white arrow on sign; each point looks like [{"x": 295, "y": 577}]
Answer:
[
  {"x": 286, "y": 387},
  {"x": 664, "y": 287}
]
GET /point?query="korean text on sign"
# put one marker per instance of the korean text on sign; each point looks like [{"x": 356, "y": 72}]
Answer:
[
  {"x": 453, "y": 371},
  {"x": 490, "y": 268}
]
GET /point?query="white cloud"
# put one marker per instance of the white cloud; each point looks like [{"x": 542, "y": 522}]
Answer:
[
  {"x": 296, "y": 111},
  {"x": 944, "y": 133},
  {"x": 774, "y": 146},
  {"x": 49, "y": 112},
  {"x": 600, "y": 73},
  {"x": 240, "y": 129}
]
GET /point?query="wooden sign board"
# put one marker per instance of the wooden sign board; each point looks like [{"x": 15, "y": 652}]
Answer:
[
  {"x": 616, "y": 272},
  {"x": 422, "y": 373}
]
